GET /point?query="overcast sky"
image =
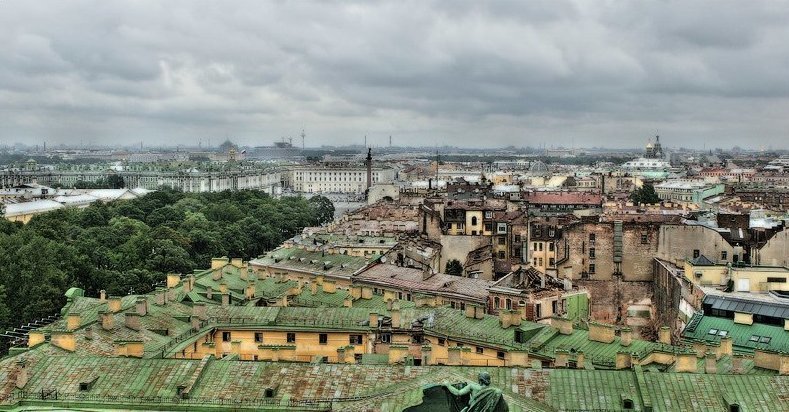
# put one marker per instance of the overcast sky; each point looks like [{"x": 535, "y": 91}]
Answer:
[{"x": 469, "y": 73}]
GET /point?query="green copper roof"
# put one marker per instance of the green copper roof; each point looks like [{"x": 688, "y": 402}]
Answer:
[{"x": 745, "y": 338}]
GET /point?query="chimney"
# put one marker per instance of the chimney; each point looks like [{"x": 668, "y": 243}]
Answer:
[
  {"x": 237, "y": 262},
  {"x": 599, "y": 332},
  {"x": 217, "y": 263},
  {"x": 223, "y": 287},
  {"x": 173, "y": 279},
  {"x": 21, "y": 374},
  {"x": 623, "y": 360},
  {"x": 504, "y": 317},
  {"x": 627, "y": 337},
  {"x": 249, "y": 292},
  {"x": 686, "y": 362},
  {"x": 736, "y": 364},
  {"x": 470, "y": 311},
  {"x": 395, "y": 314},
  {"x": 89, "y": 333},
  {"x": 347, "y": 302},
  {"x": 515, "y": 317},
  {"x": 160, "y": 297},
  {"x": 710, "y": 364},
  {"x": 131, "y": 320},
  {"x": 107, "y": 320},
  {"x": 356, "y": 292},
  {"x": 565, "y": 326},
  {"x": 209, "y": 293},
  {"x": 216, "y": 274},
  {"x": 102, "y": 295},
  {"x": 64, "y": 339},
  {"x": 35, "y": 337},
  {"x": 142, "y": 306},
  {"x": 373, "y": 320},
  {"x": 580, "y": 359},
  {"x": 479, "y": 312},
  {"x": 664, "y": 335},
  {"x": 367, "y": 293},
  {"x": 225, "y": 299},
  {"x": 114, "y": 304},
  {"x": 313, "y": 288},
  {"x": 726, "y": 346},
  {"x": 195, "y": 322},
  {"x": 199, "y": 310},
  {"x": 73, "y": 321},
  {"x": 329, "y": 286}
]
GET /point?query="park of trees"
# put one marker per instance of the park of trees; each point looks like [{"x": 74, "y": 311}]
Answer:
[{"x": 129, "y": 246}]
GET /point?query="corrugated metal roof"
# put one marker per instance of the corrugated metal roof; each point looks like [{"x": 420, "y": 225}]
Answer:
[{"x": 776, "y": 309}]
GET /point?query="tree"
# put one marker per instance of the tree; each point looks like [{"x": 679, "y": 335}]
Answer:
[
  {"x": 323, "y": 208},
  {"x": 645, "y": 194},
  {"x": 116, "y": 181},
  {"x": 454, "y": 268}
]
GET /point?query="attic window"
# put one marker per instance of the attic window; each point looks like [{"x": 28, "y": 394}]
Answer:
[
  {"x": 723, "y": 333},
  {"x": 765, "y": 339},
  {"x": 86, "y": 386},
  {"x": 627, "y": 404},
  {"x": 754, "y": 338},
  {"x": 713, "y": 332}
]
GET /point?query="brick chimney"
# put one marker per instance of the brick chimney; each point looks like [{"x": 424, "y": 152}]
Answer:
[
  {"x": 21, "y": 374},
  {"x": 329, "y": 286},
  {"x": 223, "y": 287},
  {"x": 199, "y": 310},
  {"x": 710, "y": 364},
  {"x": 160, "y": 296},
  {"x": 626, "y": 337},
  {"x": 599, "y": 332},
  {"x": 114, "y": 304},
  {"x": 142, "y": 306},
  {"x": 664, "y": 335},
  {"x": 209, "y": 293},
  {"x": 64, "y": 339},
  {"x": 35, "y": 337},
  {"x": 107, "y": 320},
  {"x": 395, "y": 314},
  {"x": 373, "y": 320},
  {"x": 504, "y": 318},
  {"x": 565, "y": 326},
  {"x": 225, "y": 299},
  {"x": 479, "y": 312},
  {"x": 470, "y": 311},
  {"x": 173, "y": 279},
  {"x": 102, "y": 295},
  {"x": 686, "y": 362},
  {"x": 73, "y": 321},
  {"x": 131, "y": 320},
  {"x": 249, "y": 291},
  {"x": 313, "y": 288}
]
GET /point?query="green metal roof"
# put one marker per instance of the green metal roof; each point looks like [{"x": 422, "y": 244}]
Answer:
[{"x": 745, "y": 338}]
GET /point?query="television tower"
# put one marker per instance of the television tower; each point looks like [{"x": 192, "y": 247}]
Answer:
[{"x": 302, "y": 139}]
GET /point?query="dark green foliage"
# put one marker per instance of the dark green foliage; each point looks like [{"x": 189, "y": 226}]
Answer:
[
  {"x": 454, "y": 267},
  {"x": 128, "y": 246},
  {"x": 645, "y": 194}
]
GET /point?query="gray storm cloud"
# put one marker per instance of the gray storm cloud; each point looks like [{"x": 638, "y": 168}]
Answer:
[{"x": 463, "y": 72}]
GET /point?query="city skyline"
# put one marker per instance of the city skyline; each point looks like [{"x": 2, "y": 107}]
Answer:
[{"x": 570, "y": 74}]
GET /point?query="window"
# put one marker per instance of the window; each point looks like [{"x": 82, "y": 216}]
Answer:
[
  {"x": 496, "y": 302},
  {"x": 502, "y": 240},
  {"x": 591, "y": 268},
  {"x": 538, "y": 310},
  {"x": 501, "y": 228},
  {"x": 696, "y": 253},
  {"x": 592, "y": 238},
  {"x": 724, "y": 255},
  {"x": 627, "y": 404},
  {"x": 442, "y": 341},
  {"x": 539, "y": 261},
  {"x": 480, "y": 350},
  {"x": 591, "y": 252},
  {"x": 554, "y": 309},
  {"x": 473, "y": 220},
  {"x": 765, "y": 339},
  {"x": 462, "y": 305},
  {"x": 550, "y": 246},
  {"x": 508, "y": 302},
  {"x": 258, "y": 337},
  {"x": 291, "y": 337},
  {"x": 534, "y": 247},
  {"x": 776, "y": 280},
  {"x": 644, "y": 239},
  {"x": 355, "y": 339},
  {"x": 323, "y": 338},
  {"x": 488, "y": 214},
  {"x": 517, "y": 238},
  {"x": 488, "y": 227},
  {"x": 551, "y": 262},
  {"x": 754, "y": 338},
  {"x": 502, "y": 255},
  {"x": 500, "y": 355},
  {"x": 539, "y": 245},
  {"x": 225, "y": 336},
  {"x": 519, "y": 338}
]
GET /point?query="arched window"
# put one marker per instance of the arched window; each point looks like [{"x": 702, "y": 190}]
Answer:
[
  {"x": 473, "y": 220},
  {"x": 509, "y": 304},
  {"x": 496, "y": 302}
]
